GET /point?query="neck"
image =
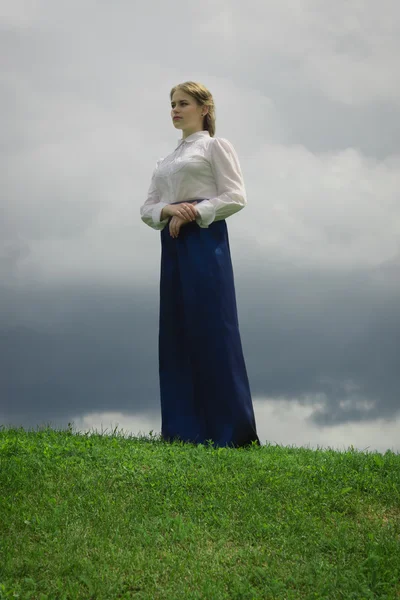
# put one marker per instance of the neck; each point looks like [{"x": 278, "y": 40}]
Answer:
[{"x": 187, "y": 132}]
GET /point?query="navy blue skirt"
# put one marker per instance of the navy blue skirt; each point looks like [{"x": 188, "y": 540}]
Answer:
[{"x": 204, "y": 387}]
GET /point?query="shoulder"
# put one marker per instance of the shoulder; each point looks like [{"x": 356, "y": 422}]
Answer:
[
  {"x": 222, "y": 149},
  {"x": 220, "y": 145},
  {"x": 220, "y": 142}
]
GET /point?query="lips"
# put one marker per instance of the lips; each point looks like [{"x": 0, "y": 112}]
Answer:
[{"x": 177, "y": 118}]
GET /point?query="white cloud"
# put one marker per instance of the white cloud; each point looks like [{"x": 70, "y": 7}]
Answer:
[
  {"x": 347, "y": 50},
  {"x": 76, "y": 187},
  {"x": 18, "y": 13},
  {"x": 332, "y": 210},
  {"x": 278, "y": 422},
  {"x": 287, "y": 422},
  {"x": 109, "y": 421}
]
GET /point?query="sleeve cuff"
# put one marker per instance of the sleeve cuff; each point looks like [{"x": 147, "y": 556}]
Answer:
[
  {"x": 206, "y": 211},
  {"x": 156, "y": 213}
]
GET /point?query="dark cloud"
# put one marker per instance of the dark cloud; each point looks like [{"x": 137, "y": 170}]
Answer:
[
  {"x": 78, "y": 350},
  {"x": 307, "y": 336},
  {"x": 318, "y": 336}
]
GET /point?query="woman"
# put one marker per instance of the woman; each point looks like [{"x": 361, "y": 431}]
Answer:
[{"x": 205, "y": 393}]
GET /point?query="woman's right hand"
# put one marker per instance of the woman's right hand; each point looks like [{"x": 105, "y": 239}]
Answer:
[{"x": 184, "y": 210}]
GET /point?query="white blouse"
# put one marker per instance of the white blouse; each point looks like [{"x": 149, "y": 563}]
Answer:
[{"x": 200, "y": 167}]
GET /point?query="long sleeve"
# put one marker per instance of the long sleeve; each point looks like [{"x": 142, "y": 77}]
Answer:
[
  {"x": 229, "y": 182},
  {"x": 150, "y": 211}
]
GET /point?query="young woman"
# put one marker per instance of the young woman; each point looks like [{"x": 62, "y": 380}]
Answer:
[{"x": 205, "y": 393}]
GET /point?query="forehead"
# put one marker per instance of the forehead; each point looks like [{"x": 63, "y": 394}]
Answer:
[{"x": 179, "y": 95}]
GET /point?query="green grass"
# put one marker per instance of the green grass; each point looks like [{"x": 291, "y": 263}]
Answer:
[{"x": 98, "y": 516}]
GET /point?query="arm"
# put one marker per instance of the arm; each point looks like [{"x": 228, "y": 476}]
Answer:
[
  {"x": 151, "y": 211},
  {"x": 229, "y": 182}
]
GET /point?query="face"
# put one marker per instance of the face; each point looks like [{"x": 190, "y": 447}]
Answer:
[{"x": 189, "y": 112}]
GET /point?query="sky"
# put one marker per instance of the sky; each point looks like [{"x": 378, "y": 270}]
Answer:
[{"x": 309, "y": 95}]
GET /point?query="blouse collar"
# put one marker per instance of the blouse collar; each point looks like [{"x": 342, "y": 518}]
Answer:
[{"x": 195, "y": 136}]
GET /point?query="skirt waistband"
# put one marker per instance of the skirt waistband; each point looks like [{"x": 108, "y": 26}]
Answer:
[{"x": 193, "y": 200}]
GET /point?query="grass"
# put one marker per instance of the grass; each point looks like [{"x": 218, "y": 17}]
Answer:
[{"x": 96, "y": 516}]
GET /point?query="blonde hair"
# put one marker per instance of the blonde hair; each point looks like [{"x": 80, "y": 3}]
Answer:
[{"x": 203, "y": 97}]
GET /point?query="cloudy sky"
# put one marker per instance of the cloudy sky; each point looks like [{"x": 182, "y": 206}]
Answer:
[{"x": 308, "y": 93}]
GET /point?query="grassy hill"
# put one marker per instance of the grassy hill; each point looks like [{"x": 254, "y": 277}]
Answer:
[{"x": 97, "y": 516}]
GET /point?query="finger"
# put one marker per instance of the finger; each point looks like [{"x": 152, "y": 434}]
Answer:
[
  {"x": 183, "y": 213},
  {"x": 190, "y": 211},
  {"x": 193, "y": 209}
]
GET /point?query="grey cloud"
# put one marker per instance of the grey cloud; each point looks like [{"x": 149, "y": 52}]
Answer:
[
  {"x": 318, "y": 336},
  {"x": 306, "y": 336},
  {"x": 68, "y": 351}
]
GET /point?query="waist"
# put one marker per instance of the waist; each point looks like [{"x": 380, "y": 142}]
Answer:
[{"x": 191, "y": 200}]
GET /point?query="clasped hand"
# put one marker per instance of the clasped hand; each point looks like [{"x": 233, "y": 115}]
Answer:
[{"x": 182, "y": 213}]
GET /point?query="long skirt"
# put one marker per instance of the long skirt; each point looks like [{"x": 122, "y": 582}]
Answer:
[{"x": 204, "y": 387}]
